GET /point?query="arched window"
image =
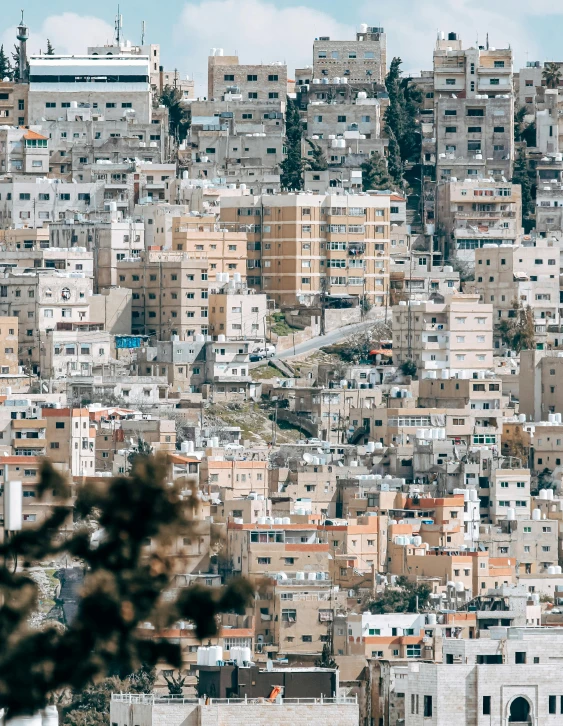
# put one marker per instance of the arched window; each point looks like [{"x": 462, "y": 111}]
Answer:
[{"x": 520, "y": 711}]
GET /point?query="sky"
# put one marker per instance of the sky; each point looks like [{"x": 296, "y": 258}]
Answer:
[{"x": 284, "y": 30}]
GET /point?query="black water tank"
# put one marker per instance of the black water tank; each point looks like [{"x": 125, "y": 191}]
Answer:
[{"x": 452, "y": 36}]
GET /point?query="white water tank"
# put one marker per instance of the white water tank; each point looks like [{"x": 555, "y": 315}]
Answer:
[
  {"x": 431, "y": 619},
  {"x": 536, "y": 514},
  {"x": 50, "y": 716},
  {"x": 299, "y": 575},
  {"x": 286, "y": 520},
  {"x": 549, "y": 494},
  {"x": 202, "y": 655},
  {"x": 261, "y": 520},
  {"x": 312, "y": 576},
  {"x": 215, "y": 442},
  {"x": 551, "y": 570},
  {"x": 473, "y": 496},
  {"x": 417, "y": 541},
  {"x": 215, "y": 654},
  {"x": 34, "y": 720},
  {"x": 13, "y": 506},
  {"x": 278, "y": 520},
  {"x": 459, "y": 587},
  {"x": 363, "y": 28},
  {"x": 511, "y": 514}
]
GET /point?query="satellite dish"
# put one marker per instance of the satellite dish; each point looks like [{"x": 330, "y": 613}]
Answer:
[{"x": 308, "y": 458}]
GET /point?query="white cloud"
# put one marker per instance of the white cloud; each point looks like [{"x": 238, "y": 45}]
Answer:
[
  {"x": 505, "y": 21},
  {"x": 255, "y": 29},
  {"x": 68, "y": 33}
]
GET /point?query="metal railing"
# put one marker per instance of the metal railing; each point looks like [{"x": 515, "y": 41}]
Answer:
[{"x": 152, "y": 699}]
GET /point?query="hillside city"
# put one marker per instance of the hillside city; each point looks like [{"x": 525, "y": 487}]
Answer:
[{"x": 328, "y": 300}]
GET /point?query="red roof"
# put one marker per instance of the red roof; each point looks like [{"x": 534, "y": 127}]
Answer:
[{"x": 34, "y": 135}]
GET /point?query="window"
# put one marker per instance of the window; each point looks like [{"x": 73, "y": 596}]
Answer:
[
  {"x": 427, "y": 706},
  {"x": 307, "y": 638},
  {"x": 486, "y": 705},
  {"x": 264, "y": 560},
  {"x": 288, "y": 615},
  {"x": 342, "y": 119},
  {"x": 552, "y": 704},
  {"x": 229, "y": 77},
  {"x": 520, "y": 657},
  {"x": 413, "y": 651},
  {"x": 273, "y": 77},
  {"x": 451, "y": 129}
]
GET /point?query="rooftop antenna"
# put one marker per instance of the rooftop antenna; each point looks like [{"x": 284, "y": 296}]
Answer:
[
  {"x": 487, "y": 41},
  {"x": 143, "y": 33},
  {"x": 22, "y": 36},
  {"x": 118, "y": 26}
]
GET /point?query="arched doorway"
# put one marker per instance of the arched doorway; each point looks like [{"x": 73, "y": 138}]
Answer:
[{"x": 520, "y": 711}]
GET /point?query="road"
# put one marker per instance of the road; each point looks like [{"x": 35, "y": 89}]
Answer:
[{"x": 335, "y": 336}]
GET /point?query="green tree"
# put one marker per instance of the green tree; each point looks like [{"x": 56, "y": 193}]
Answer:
[
  {"x": 551, "y": 74},
  {"x": 394, "y": 163},
  {"x": 91, "y": 705},
  {"x": 408, "y": 368},
  {"x": 326, "y": 660},
  {"x": 401, "y": 116},
  {"x": 518, "y": 330},
  {"x": 317, "y": 161},
  {"x": 292, "y": 165},
  {"x": 375, "y": 174},
  {"x": 5, "y": 67},
  {"x": 178, "y": 113},
  {"x": 175, "y": 683},
  {"x": 544, "y": 481},
  {"x": 123, "y": 587},
  {"x": 404, "y": 597},
  {"x": 522, "y": 176},
  {"x": 141, "y": 448},
  {"x": 50, "y": 50}
]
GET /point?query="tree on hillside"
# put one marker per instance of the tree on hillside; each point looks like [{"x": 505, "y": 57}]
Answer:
[
  {"x": 292, "y": 165},
  {"x": 178, "y": 113},
  {"x": 317, "y": 161},
  {"x": 401, "y": 116},
  {"x": 551, "y": 74},
  {"x": 123, "y": 587},
  {"x": 404, "y": 597},
  {"x": 375, "y": 174},
  {"x": 522, "y": 176},
  {"x": 5, "y": 67},
  {"x": 518, "y": 331},
  {"x": 394, "y": 163}
]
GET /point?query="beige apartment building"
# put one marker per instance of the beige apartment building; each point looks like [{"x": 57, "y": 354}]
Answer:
[
  {"x": 258, "y": 82},
  {"x": 234, "y": 478},
  {"x": 9, "y": 340},
  {"x": 453, "y": 336},
  {"x": 41, "y": 301},
  {"x": 238, "y": 313},
  {"x": 13, "y": 103},
  {"x": 363, "y": 60},
  {"x": 169, "y": 293},
  {"x": 509, "y": 495},
  {"x": 474, "y": 111},
  {"x": 476, "y": 212},
  {"x": 225, "y": 249},
  {"x": 541, "y": 394},
  {"x": 71, "y": 439},
  {"x": 525, "y": 275},
  {"x": 305, "y": 247}
]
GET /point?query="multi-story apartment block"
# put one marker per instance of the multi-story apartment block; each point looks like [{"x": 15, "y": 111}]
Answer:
[
  {"x": 9, "y": 343},
  {"x": 75, "y": 349},
  {"x": 509, "y": 495},
  {"x": 304, "y": 247},
  {"x": 474, "y": 212},
  {"x": 108, "y": 242},
  {"x": 23, "y": 151},
  {"x": 115, "y": 86},
  {"x": 540, "y": 392},
  {"x": 509, "y": 277},
  {"x": 13, "y": 103},
  {"x": 526, "y": 83},
  {"x": 256, "y": 82},
  {"x": 227, "y": 370},
  {"x": 237, "y": 313},
  {"x": 26, "y": 203},
  {"x": 363, "y": 60},
  {"x": 169, "y": 293},
  {"x": 238, "y": 141},
  {"x": 41, "y": 301},
  {"x": 71, "y": 439},
  {"x": 453, "y": 336},
  {"x": 474, "y": 111},
  {"x": 224, "y": 245}
]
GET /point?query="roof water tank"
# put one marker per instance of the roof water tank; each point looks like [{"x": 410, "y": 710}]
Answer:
[
  {"x": 551, "y": 570},
  {"x": 261, "y": 520},
  {"x": 13, "y": 506},
  {"x": 278, "y": 520},
  {"x": 431, "y": 619},
  {"x": 511, "y": 514},
  {"x": 49, "y": 716},
  {"x": 417, "y": 541},
  {"x": 459, "y": 586},
  {"x": 363, "y": 28},
  {"x": 202, "y": 655},
  {"x": 536, "y": 514},
  {"x": 543, "y": 493},
  {"x": 312, "y": 576},
  {"x": 362, "y": 96},
  {"x": 286, "y": 520},
  {"x": 299, "y": 575}
]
